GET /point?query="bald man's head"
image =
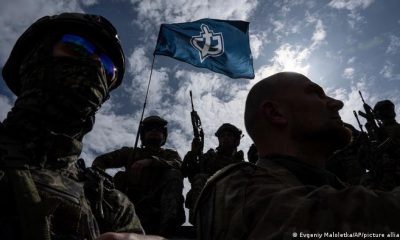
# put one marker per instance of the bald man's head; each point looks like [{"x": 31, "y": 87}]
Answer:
[
  {"x": 270, "y": 88},
  {"x": 289, "y": 107}
]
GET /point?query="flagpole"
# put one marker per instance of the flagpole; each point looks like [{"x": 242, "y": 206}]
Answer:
[{"x": 144, "y": 105}]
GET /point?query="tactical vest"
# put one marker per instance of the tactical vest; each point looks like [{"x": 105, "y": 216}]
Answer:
[{"x": 40, "y": 203}]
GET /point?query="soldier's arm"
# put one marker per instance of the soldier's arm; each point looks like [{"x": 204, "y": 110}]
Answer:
[
  {"x": 190, "y": 164},
  {"x": 115, "y": 159},
  {"x": 170, "y": 159},
  {"x": 119, "y": 214}
]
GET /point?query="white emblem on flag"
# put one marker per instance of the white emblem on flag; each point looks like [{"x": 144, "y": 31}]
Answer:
[{"x": 208, "y": 43}]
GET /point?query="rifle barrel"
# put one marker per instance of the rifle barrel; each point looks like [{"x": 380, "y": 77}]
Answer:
[
  {"x": 191, "y": 99},
  {"x": 359, "y": 92},
  {"x": 358, "y": 121},
  {"x": 362, "y": 114}
]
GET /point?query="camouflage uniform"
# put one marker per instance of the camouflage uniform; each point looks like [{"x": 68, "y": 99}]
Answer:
[
  {"x": 281, "y": 195},
  {"x": 209, "y": 163},
  {"x": 45, "y": 195},
  {"x": 386, "y": 149},
  {"x": 157, "y": 192},
  {"x": 351, "y": 162}
]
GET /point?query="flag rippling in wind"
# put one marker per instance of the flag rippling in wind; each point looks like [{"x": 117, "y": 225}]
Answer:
[{"x": 219, "y": 45}]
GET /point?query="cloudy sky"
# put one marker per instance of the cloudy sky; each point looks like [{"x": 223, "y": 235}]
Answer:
[{"x": 343, "y": 45}]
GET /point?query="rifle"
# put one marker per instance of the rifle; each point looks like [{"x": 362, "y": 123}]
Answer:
[
  {"x": 197, "y": 128},
  {"x": 358, "y": 121},
  {"x": 372, "y": 126},
  {"x": 191, "y": 163},
  {"x": 377, "y": 141}
]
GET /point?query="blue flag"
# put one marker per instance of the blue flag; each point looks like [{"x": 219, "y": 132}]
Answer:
[{"x": 219, "y": 45}]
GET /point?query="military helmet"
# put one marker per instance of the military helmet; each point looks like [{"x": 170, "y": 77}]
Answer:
[
  {"x": 384, "y": 110},
  {"x": 231, "y": 128},
  {"x": 152, "y": 122},
  {"x": 95, "y": 27}
]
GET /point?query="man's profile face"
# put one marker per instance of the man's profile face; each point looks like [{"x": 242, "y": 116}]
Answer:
[{"x": 313, "y": 115}]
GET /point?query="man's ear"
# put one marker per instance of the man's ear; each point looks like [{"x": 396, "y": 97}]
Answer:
[{"x": 273, "y": 112}]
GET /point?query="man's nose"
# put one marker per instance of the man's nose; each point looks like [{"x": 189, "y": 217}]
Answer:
[{"x": 335, "y": 104}]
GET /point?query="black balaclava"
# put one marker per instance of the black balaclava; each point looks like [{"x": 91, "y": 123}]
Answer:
[{"x": 59, "y": 97}]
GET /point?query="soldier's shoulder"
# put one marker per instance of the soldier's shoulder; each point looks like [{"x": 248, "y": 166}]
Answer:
[
  {"x": 210, "y": 152},
  {"x": 237, "y": 170},
  {"x": 122, "y": 149},
  {"x": 239, "y": 155},
  {"x": 170, "y": 150},
  {"x": 231, "y": 177},
  {"x": 126, "y": 148}
]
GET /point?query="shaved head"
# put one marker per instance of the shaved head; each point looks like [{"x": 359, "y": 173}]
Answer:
[
  {"x": 270, "y": 88},
  {"x": 287, "y": 113}
]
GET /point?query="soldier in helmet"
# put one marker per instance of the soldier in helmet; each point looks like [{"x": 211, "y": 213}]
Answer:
[
  {"x": 152, "y": 178},
  {"x": 62, "y": 68},
  {"x": 388, "y": 148},
  {"x": 213, "y": 160},
  {"x": 384, "y": 111}
]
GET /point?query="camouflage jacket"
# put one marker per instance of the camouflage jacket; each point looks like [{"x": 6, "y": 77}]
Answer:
[
  {"x": 280, "y": 198},
  {"x": 346, "y": 164},
  {"x": 214, "y": 160},
  {"x": 208, "y": 163},
  {"x": 156, "y": 191},
  {"x": 45, "y": 194},
  {"x": 163, "y": 160},
  {"x": 199, "y": 172},
  {"x": 126, "y": 156}
]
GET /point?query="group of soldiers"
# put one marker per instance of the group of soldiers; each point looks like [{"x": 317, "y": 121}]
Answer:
[
  {"x": 63, "y": 68},
  {"x": 371, "y": 158},
  {"x": 153, "y": 175}
]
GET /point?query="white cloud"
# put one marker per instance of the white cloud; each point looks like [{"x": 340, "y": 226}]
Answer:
[
  {"x": 319, "y": 34},
  {"x": 140, "y": 67},
  {"x": 354, "y": 17},
  {"x": 394, "y": 45},
  {"x": 287, "y": 58},
  {"x": 387, "y": 71},
  {"x": 351, "y": 60},
  {"x": 153, "y": 13},
  {"x": 110, "y": 132},
  {"x": 257, "y": 42},
  {"x": 17, "y": 15},
  {"x": 350, "y": 4},
  {"x": 279, "y": 26},
  {"x": 348, "y": 73},
  {"x": 89, "y": 2},
  {"x": 351, "y": 100},
  {"x": 138, "y": 61}
]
